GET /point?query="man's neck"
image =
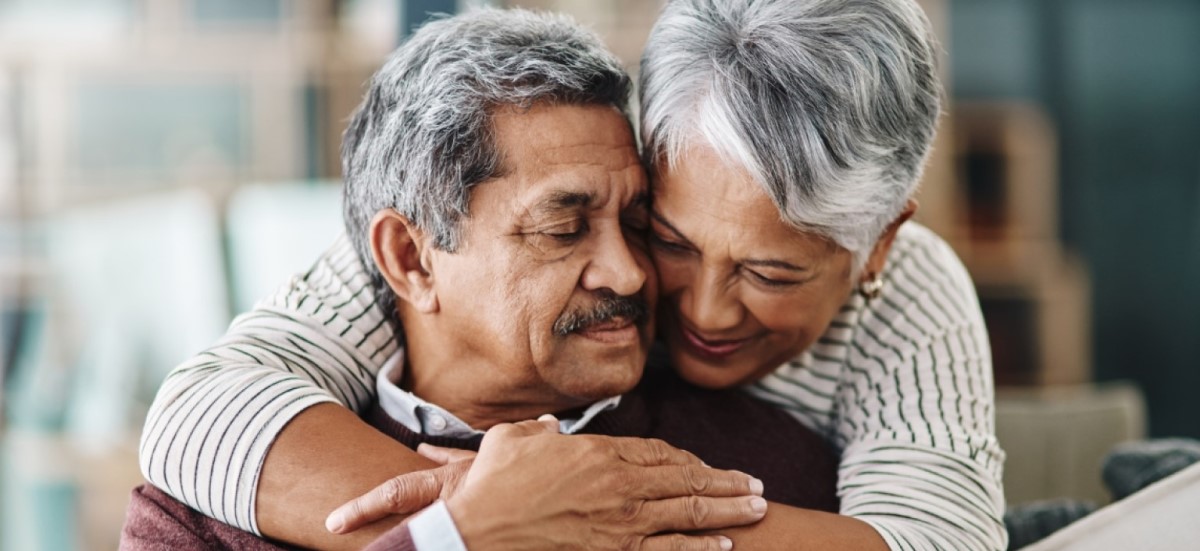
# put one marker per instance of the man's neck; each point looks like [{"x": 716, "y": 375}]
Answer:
[{"x": 468, "y": 388}]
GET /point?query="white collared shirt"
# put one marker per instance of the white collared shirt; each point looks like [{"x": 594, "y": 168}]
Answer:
[{"x": 429, "y": 419}]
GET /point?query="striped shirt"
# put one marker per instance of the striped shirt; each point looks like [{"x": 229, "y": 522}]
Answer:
[{"x": 901, "y": 385}]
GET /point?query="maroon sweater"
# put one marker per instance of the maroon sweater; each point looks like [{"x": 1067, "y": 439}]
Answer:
[{"x": 725, "y": 428}]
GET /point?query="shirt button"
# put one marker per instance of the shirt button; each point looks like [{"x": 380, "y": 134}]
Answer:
[{"x": 437, "y": 422}]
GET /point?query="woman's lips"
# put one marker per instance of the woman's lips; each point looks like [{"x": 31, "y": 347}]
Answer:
[{"x": 712, "y": 348}]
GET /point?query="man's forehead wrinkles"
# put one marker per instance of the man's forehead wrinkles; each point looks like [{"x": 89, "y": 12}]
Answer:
[
  {"x": 591, "y": 154},
  {"x": 539, "y": 205},
  {"x": 560, "y": 199}
]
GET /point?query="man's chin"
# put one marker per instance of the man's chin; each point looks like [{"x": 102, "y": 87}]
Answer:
[
  {"x": 600, "y": 379},
  {"x": 602, "y": 364}
]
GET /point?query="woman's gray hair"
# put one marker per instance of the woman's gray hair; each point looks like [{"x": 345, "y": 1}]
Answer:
[
  {"x": 830, "y": 105},
  {"x": 422, "y": 138}
]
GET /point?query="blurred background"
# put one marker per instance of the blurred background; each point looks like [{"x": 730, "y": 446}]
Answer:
[{"x": 164, "y": 163}]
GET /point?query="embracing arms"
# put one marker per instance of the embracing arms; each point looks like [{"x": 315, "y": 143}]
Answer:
[{"x": 253, "y": 432}]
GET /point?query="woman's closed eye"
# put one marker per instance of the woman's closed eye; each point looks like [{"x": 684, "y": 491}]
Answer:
[
  {"x": 666, "y": 245},
  {"x": 770, "y": 282}
]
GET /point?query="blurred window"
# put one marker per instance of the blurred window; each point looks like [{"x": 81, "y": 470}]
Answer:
[
  {"x": 251, "y": 11},
  {"x": 163, "y": 127},
  {"x": 46, "y": 20}
]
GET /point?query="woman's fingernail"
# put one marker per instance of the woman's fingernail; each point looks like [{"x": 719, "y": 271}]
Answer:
[
  {"x": 726, "y": 543},
  {"x": 548, "y": 417},
  {"x": 758, "y": 505}
]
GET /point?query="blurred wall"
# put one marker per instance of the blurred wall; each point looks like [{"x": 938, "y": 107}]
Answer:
[{"x": 1120, "y": 80}]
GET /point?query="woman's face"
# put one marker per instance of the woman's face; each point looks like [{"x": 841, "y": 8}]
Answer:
[{"x": 741, "y": 291}]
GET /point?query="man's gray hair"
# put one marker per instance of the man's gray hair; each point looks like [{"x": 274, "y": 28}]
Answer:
[
  {"x": 830, "y": 105},
  {"x": 423, "y": 136}
]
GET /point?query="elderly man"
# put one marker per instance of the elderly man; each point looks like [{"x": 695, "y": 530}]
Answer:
[{"x": 495, "y": 197}]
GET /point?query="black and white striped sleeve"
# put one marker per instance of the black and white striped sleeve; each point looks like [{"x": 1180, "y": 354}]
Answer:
[
  {"x": 915, "y": 408},
  {"x": 321, "y": 338}
]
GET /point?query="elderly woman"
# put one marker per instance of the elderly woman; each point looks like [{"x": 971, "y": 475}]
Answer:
[{"x": 785, "y": 140}]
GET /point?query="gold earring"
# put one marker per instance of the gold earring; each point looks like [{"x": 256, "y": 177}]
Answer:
[{"x": 871, "y": 287}]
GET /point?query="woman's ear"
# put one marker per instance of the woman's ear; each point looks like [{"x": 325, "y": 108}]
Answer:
[
  {"x": 878, "y": 259},
  {"x": 402, "y": 252}
]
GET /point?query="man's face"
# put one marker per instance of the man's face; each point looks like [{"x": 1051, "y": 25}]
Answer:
[{"x": 551, "y": 289}]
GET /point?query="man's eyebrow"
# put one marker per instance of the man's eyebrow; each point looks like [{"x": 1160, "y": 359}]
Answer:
[{"x": 564, "y": 200}]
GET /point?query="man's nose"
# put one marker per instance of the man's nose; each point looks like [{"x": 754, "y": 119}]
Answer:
[{"x": 614, "y": 266}]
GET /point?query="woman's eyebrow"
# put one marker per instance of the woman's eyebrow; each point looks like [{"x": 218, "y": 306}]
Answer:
[
  {"x": 662, "y": 220},
  {"x": 772, "y": 263},
  {"x": 764, "y": 262}
]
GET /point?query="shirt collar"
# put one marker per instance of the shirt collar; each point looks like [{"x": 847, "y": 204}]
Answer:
[{"x": 429, "y": 419}]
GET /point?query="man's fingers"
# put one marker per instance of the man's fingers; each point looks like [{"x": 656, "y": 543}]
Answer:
[
  {"x": 690, "y": 480},
  {"x": 651, "y": 452},
  {"x": 442, "y": 455},
  {"x": 680, "y": 542},
  {"x": 403, "y": 494},
  {"x": 683, "y": 514},
  {"x": 546, "y": 424}
]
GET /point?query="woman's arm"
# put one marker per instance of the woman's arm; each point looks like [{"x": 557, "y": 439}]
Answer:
[
  {"x": 215, "y": 420},
  {"x": 920, "y": 460},
  {"x": 324, "y": 457},
  {"x": 787, "y": 528},
  {"x": 255, "y": 431}
]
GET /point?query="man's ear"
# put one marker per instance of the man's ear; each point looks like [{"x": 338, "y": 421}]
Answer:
[
  {"x": 878, "y": 258},
  {"x": 401, "y": 251}
]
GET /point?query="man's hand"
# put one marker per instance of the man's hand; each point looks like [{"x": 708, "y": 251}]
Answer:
[
  {"x": 531, "y": 487},
  {"x": 405, "y": 494}
]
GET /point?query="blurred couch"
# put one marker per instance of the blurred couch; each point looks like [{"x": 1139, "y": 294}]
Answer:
[
  {"x": 1161, "y": 517},
  {"x": 1056, "y": 438}
]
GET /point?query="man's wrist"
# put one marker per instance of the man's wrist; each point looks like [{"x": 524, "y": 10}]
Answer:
[{"x": 433, "y": 529}]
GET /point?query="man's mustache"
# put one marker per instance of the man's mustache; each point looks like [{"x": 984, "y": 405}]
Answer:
[{"x": 610, "y": 307}]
